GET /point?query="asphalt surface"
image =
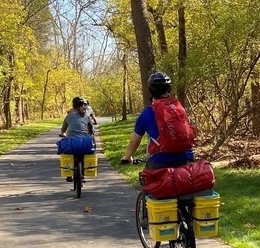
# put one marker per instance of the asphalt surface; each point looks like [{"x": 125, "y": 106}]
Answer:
[{"x": 39, "y": 209}]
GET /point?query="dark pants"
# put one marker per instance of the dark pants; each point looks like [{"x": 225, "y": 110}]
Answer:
[{"x": 174, "y": 164}]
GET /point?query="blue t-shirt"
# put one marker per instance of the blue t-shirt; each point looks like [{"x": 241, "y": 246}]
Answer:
[{"x": 146, "y": 123}]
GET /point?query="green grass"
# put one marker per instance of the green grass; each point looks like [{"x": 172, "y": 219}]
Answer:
[
  {"x": 240, "y": 206},
  {"x": 239, "y": 223},
  {"x": 10, "y": 139},
  {"x": 115, "y": 137}
]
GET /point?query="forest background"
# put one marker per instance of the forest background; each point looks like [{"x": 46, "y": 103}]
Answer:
[{"x": 104, "y": 50}]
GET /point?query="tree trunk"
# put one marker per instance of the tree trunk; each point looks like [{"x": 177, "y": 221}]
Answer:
[
  {"x": 144, "y": 45},
  {"x": 7, "y": 105},
  {"x": 124, "y": 117},
  {"x": 27, "y": 114},
  {"x": 18, "y": 104},
  {"x": 131, "y": 110},
  {"x": 23, "y": 105},
  {"x": 158, "y": 21},
  {"x": 255, "y": 88},
  {"x": 44, "y": 93},
  {"x": 181, "y": 89},
  {"x": 8, "y": 92}
]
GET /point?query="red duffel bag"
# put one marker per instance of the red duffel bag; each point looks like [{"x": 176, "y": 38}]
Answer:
[{"x": 174, "y": 182}]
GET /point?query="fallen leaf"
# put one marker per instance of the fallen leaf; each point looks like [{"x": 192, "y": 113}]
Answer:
[
  {"x": 87, "y": 209},
  {"x": 249, "y": 225},
  {"x": 19, "y": 209}
]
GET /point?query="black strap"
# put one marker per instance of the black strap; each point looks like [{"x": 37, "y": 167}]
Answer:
[
  {"x": 205, "y": 219},
  {"x": 90, "y": 167},
  {"x": 163, "y": 222},
  {"x": 66, "y": 168}
]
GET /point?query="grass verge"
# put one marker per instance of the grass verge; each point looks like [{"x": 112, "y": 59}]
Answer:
[
  {"x": 239, "y": 223},
  {"x": 10, "y": 139}
]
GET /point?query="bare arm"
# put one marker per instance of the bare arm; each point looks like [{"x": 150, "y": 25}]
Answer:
[
  {"x": 64, "y": 127},
  {"x": 132, "y": 146},
  {"x": 92, "y": 115},
  {"x": 90, "y": 127}
]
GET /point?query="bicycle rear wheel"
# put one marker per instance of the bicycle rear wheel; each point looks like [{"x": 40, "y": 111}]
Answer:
[
  {"x": 186, "y": 238},
  {"x": 142, "y": 223},
  {"x": 78, "y": 178},
  {"x": 74, "y": 177}
]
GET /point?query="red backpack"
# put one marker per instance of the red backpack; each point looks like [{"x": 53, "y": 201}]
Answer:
[{"x": 175, "y": 131}]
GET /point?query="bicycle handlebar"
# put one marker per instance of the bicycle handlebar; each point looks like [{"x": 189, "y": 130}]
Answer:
[
  {"x": 134, "y": 161},
  {"x": 125, "y": 161},
  {"x": 138, "y": 160}
]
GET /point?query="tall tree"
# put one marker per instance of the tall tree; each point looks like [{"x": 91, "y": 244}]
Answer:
[
  {"x": 181, "y": 88},
  {"x": 124, "y": 117},
  {"x": 144, "y": 44},
  {"x": 158, "y": 14}
]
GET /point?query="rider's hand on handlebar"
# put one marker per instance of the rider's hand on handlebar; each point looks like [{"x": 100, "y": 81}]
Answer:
[
  {"x": 125, "y": 160},
  {"x": 62, "y": 135}
]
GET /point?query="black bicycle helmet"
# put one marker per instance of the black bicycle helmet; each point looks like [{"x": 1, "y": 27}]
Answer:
[
  {"x": 78, "y": 102},
  {"x": 159, "y": 83}
]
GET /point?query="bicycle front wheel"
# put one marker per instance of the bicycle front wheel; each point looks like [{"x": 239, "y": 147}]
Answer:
[{"x": 141, "y": 218}]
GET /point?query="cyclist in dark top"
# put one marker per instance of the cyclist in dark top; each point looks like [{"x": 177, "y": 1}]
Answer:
[{"x": 159, "y": 87}]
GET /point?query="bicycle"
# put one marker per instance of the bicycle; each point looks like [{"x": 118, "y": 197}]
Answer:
[
  {"x": 185, "y": 231},
  {"x": 78, "y": 172},
  {"x": 77, "y": 168}
]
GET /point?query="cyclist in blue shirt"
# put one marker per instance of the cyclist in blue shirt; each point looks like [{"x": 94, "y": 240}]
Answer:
[{"x": 159, "y": 85}]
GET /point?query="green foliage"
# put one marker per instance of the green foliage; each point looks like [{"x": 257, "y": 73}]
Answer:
[
  {"x": 121, "y": 24},
  {"x": 38, "y": 18},
  {"x": 115, "y": 137},
  {"x": 105, "y": 90}
]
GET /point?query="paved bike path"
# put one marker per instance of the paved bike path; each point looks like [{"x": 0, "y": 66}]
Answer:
[{"x": 38, "y": 208}]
